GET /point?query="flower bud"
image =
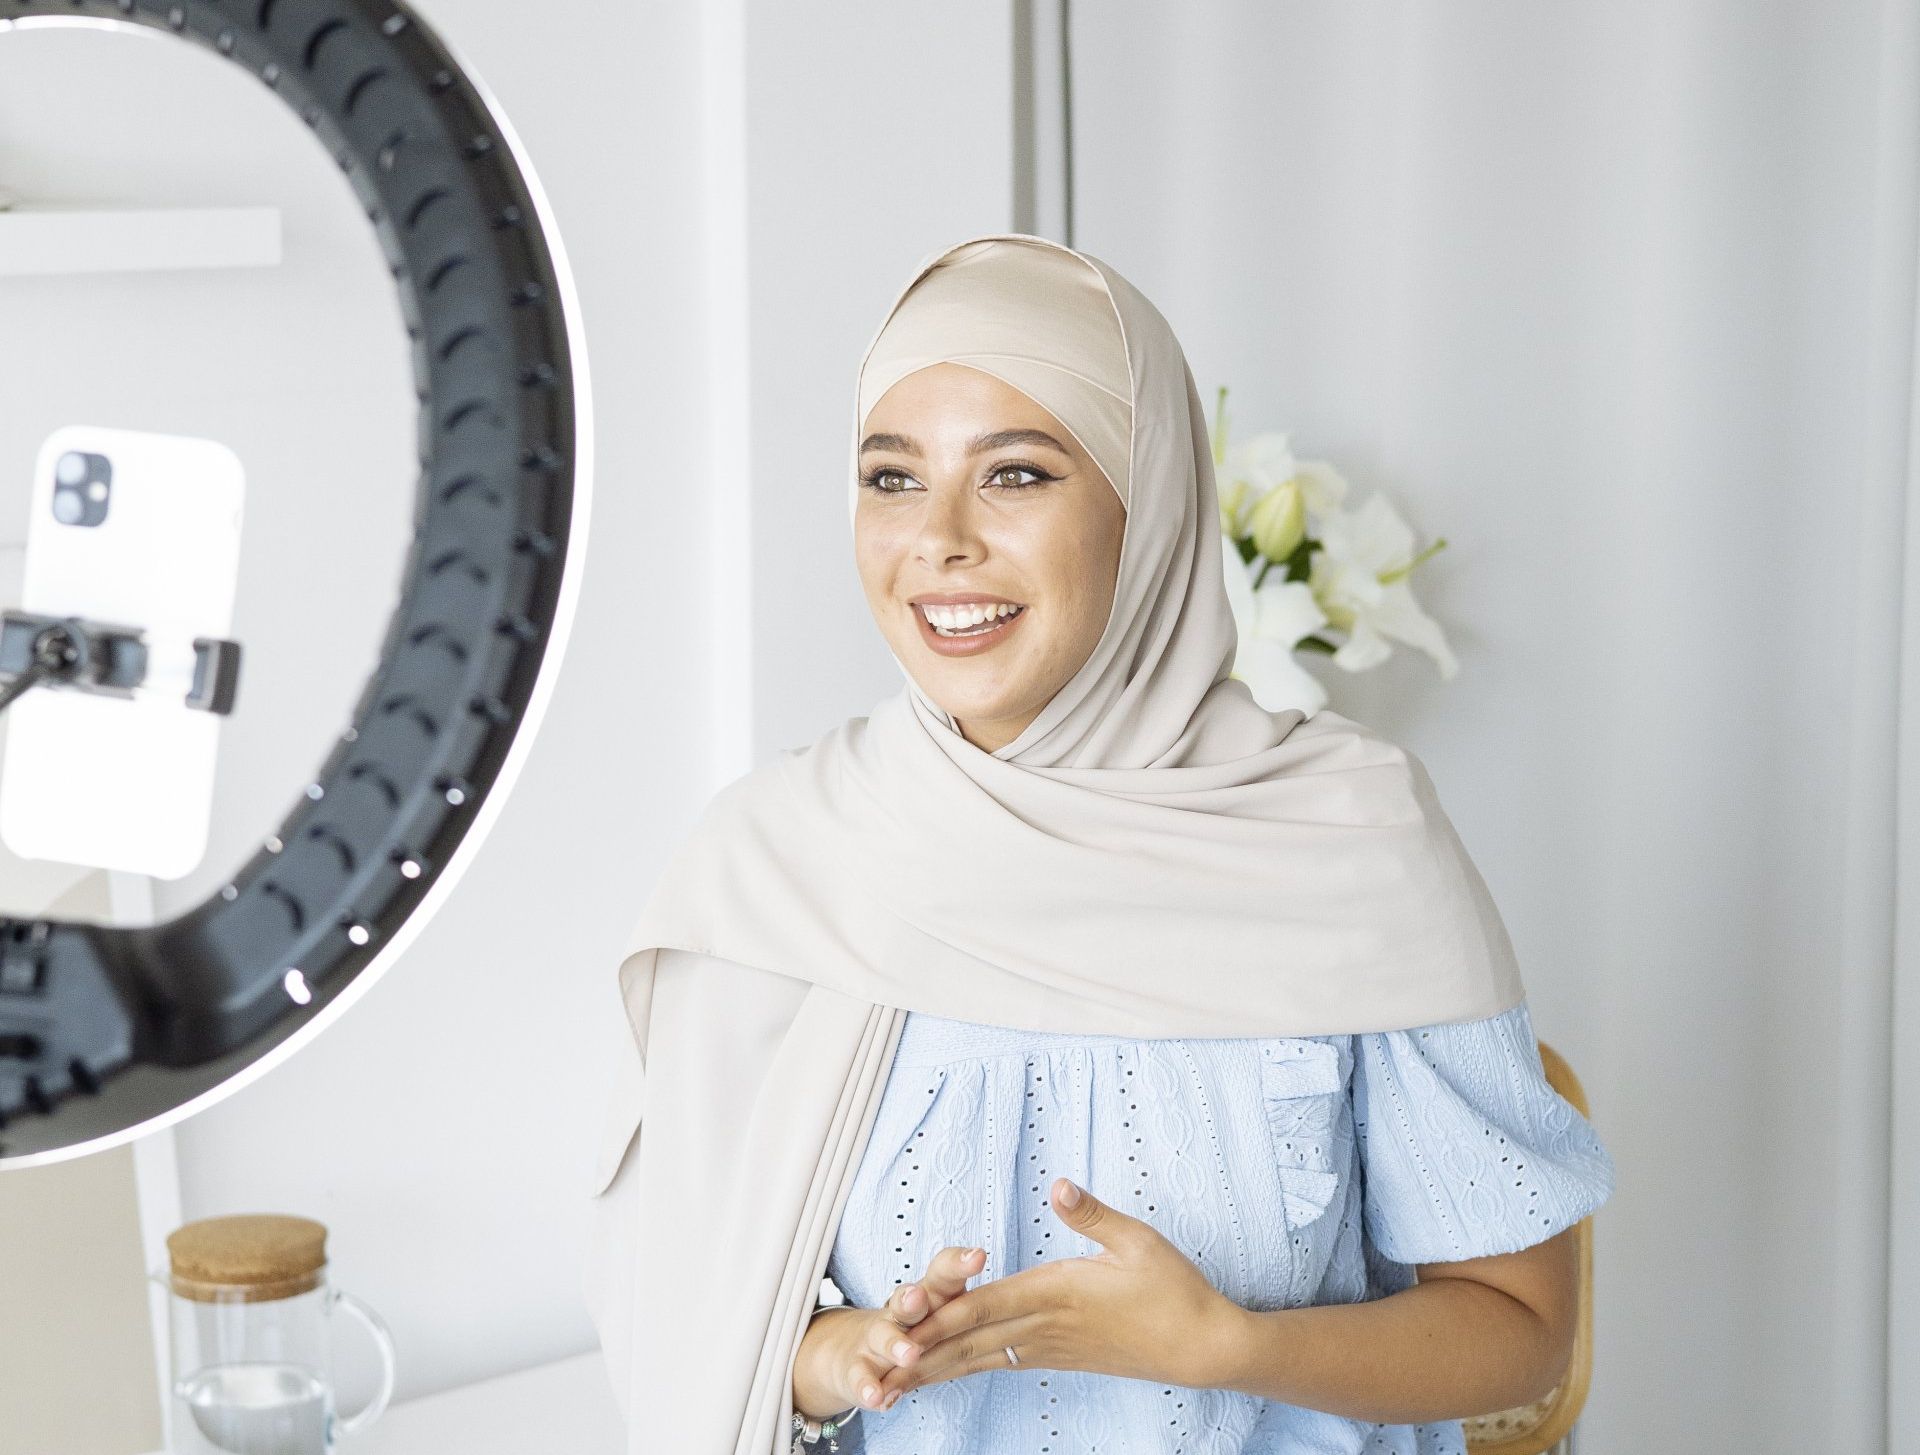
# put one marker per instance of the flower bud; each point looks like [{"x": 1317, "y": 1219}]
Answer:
[{"x": 1278, "y": 521}]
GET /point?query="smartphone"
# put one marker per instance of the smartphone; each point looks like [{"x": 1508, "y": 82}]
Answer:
[{"x": 136, "y": 529}]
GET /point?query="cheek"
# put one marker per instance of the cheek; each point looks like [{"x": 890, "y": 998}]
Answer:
[
  {"x": 1078, "y": 571},
  {"x": 877, "y": 557},
  {"x": 1092, "y": 602}
]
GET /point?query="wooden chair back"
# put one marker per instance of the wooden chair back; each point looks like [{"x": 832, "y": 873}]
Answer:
[{"x": 1547, "y": 1424}]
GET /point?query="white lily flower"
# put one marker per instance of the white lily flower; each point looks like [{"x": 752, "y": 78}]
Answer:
[
  {"x": 1359, "y": 578},
  {"x": 1247, "y": 472},
  {"x": 1323, "y": 488},
  {"x": 1269, "y": 623},
  {"x": 1398, "y": 616}
]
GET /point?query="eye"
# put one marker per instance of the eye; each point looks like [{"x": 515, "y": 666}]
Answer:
[
  {"x": 1015, "y": 467},
  {"x": 873, "y": 479}
]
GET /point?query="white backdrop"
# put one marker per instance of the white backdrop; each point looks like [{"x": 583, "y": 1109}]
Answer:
[{"x": 1619, "y": 299}]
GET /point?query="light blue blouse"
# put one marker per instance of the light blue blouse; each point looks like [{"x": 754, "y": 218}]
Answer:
[{"x": 1291, "y": 1170}]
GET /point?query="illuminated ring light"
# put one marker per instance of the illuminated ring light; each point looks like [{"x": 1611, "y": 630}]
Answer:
[{"x": 106, "y": 1032}]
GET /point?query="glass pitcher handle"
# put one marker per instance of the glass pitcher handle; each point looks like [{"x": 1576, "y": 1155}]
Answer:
[{"x": 383, "y": 1341}]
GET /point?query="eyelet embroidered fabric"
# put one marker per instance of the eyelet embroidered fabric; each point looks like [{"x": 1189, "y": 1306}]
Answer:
[{"x": 1291, "y": 1170}]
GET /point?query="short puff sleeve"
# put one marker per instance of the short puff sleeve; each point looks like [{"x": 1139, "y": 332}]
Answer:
[{"x": 1466, "y": 1149}]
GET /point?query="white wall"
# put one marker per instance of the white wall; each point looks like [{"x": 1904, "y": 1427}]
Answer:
[
  {"x": 1589, "y": 291},
  {"x": 878, "y": 133}
]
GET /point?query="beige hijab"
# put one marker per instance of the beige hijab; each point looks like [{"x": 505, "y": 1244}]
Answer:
[{"x": 1155, "y": 855}]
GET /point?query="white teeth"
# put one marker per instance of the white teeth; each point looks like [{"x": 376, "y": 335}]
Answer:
[
  {"x": 958, "y": 618},
  {"x": 951, "y": 620}
]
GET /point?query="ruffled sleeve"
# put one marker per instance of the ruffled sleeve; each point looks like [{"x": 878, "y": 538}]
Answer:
[{"x": 1466, "y": 1150}]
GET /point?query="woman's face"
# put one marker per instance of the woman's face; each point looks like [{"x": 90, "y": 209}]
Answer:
[{"x": 971, "y": 492}]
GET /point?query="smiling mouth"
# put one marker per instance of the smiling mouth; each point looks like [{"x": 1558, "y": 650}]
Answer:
[
  {"x": 967, "y": 629},
  {"x": 957, "y": 625}
]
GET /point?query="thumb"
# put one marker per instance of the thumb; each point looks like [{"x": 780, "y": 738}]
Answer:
[{"x": 1080, "y": 1210}]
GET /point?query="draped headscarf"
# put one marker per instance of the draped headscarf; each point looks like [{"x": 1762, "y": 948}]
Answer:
[{"x": 1154, "y": 855}]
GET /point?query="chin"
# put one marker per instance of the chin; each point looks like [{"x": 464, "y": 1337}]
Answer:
[
  {"x": 966, "y": 710},
  {"x": 939, "y": 683}
]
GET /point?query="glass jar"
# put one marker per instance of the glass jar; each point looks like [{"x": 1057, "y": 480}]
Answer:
[{"x": 250, "y": 1331}]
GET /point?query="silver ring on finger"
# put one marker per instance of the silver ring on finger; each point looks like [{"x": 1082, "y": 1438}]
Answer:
[{"x": 1012, "y": 1358}]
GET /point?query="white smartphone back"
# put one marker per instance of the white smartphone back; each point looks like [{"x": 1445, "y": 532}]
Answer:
[{"x": 124, "y": 782}]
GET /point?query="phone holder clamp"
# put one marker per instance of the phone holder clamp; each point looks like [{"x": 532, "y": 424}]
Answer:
[{"x": 104, "y": 657}]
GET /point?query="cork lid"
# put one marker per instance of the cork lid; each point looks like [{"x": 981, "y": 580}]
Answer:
[{"x": 248, "y": 1257}]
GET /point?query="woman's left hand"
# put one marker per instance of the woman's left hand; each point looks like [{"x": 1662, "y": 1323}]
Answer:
[{"x": 1138, "y": 1308}]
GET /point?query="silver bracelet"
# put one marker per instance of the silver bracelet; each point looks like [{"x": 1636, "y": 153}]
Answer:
[{"x": 809, "y": 1431}]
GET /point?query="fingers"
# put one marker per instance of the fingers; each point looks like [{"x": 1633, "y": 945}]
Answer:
[
  {"x": 906, "y": 1306},
  {"x": 866, "y": 1378},
  {"x": 861, "y": 1371},
  {"x": 946, "y": 1280},
  {"x": 951, "y": 1267},
  {"x": 879, "y": 1349},
  {"x": 973, "y": 1351},
  {"x": 883, "y": 1348}
]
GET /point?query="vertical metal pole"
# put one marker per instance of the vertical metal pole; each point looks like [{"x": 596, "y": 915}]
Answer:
[
  {"x": 1066, "y": 116},
  {"x": 1042, "y": 121}
]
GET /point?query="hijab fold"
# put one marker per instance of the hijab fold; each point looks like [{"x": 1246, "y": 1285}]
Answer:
[{"x": 1154, "y": 855}]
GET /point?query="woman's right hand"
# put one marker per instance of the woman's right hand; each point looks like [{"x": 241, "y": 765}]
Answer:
[{"x": 845, "y": 1354}]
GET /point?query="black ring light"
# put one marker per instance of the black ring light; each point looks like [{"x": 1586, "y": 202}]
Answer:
[{"x": 468, "y": 658}]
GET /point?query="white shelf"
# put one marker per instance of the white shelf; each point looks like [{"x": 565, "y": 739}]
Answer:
[
  {"x": 45, "y": 239},
  {"x": 566, "y": 1407}
]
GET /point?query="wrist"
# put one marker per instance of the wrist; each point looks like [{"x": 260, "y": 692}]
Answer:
[
  {"x": 1218, "y": 1354},
  {"x": 819, "y": 1364}
]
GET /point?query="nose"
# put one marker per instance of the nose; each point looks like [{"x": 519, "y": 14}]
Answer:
[{"x": 948, "y": 530}]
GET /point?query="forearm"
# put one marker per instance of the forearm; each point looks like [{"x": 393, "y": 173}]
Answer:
[{"x": 1443, "y": 1349}]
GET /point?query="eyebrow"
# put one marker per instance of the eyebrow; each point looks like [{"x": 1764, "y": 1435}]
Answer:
[{"x": 997, "y": 440}]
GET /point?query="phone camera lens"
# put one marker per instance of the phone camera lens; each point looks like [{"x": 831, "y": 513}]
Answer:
[
  {"x": 71, "y": 469},
  {"x": 68, "y": 506}
]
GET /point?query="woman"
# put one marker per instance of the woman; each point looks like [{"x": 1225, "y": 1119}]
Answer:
[{"x": 1151, "y": 1071}]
